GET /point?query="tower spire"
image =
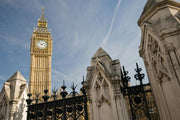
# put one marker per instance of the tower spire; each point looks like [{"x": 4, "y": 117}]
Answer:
[{"x": 42, "y": 18}]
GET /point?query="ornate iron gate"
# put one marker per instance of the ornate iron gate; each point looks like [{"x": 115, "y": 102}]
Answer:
[
  {"x": 70, "y": 108},
  {"x": 136, "y": 94}
]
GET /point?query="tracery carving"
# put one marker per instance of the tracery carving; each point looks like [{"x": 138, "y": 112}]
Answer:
[
  {"x": 97, "y": 88},
  {"x": 100, "y": 78},
  {"x": 105, "y": 86},
  {"x": 155, "y": 52},
  {"x": 153, "y": 46},
  {"x": 162, "y": 65},
  {"x": 101, "y": 87}
]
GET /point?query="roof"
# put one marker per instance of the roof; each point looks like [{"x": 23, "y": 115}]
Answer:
[
  {"x": 14, "y": 86},
  {"x": 100, "y": 53},
  {"x": 42, "y": 28},
  {"x": 16, "y": 76},
  {"x": 152, "y": 5}
]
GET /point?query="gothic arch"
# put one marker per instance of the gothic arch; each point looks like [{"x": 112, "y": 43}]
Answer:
[
  {"x": 101, "y": 87},
  {"x": 100, "y": 74}
]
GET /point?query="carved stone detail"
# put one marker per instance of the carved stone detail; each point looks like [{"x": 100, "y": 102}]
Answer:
[
  {"x": 161, "y": 54},
  {"x": 169, "y": 48},
  {"x": 162, "y": 75},
  {"x": 103, "y": 83},
  {"x": 153, "y": 46}
]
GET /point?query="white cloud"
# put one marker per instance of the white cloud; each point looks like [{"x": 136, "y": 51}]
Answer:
[{"x": 112, "y": 23}]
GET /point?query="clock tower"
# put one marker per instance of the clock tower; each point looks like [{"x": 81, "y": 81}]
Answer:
[{"x": 41, "y": 52}]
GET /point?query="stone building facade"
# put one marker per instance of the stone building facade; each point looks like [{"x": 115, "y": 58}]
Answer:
[
  {"x": 102, "y": 84},
  {"x": 13, "y": 98},
  {"x": 160, "y": 50}
]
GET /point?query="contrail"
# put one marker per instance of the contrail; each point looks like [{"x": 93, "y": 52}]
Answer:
[{"x": 103, "y": 43}]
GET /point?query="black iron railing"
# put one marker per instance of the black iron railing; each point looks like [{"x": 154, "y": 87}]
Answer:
[
  {"x": 73, "y": 107},
  {"x": 136, "y": 94}
]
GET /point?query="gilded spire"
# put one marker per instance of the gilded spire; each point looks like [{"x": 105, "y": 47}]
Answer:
[
  {"x": 42, "y": 18},
  {"x": 42, "y": 24}
]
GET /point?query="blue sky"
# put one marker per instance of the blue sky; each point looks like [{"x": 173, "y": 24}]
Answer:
[{"x": 78, "y": 27}]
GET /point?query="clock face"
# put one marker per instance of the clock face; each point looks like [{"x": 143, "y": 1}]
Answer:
[{"x": 41, "y": 44}]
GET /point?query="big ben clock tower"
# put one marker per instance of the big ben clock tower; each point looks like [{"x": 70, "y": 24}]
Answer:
[{"x": 41, "y": 52}]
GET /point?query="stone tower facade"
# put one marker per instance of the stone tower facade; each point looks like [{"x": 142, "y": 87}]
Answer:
[
  {"x": 41, "y": 52},
  {"x": 13, "y": 98},
  {"x": 103, "y": 88},
  {"x": 160, "y": 50}
]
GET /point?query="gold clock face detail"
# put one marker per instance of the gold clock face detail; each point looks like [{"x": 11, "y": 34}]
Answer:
[{"x": 41, "y": 44}]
